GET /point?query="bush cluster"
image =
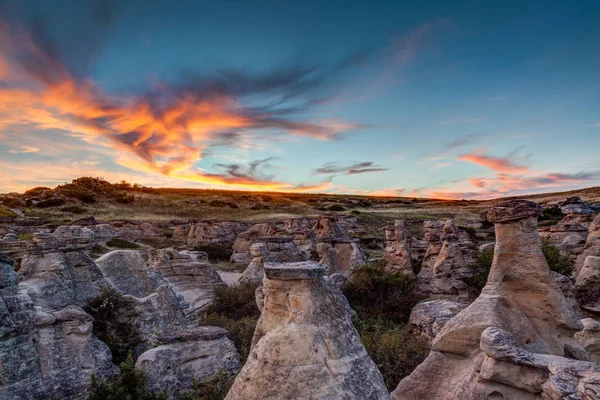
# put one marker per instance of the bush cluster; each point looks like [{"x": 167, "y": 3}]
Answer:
[
  {"x": 113, "y": 322},
  {"x": 234, "y": 308},
  {"x": 557, "y": 260},
  {"x": 374, "y": 293},
  {"x": 383, "y": 302},
  {"x": 122, "y": 244},
  {"x": 480, "y": 270}
]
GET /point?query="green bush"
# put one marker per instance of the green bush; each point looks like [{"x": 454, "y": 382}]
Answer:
[
  {"x": 480, "y": 270},
  {"x": 557, "y": 260},
  {"x": 395, "y": 349},
  {"x": 234, "y": 308},
  {"x": 335, "y": 207},
  {"x": 7, "y": 212},
  {"x": 36, "y": 191},
  {"x": 25, "y": 236},
  {"x": 130, "y": 384},
  {"x": 375, "y": 293},
  {"x": 213, "y": 389},
  {"x": 471, "y": 232},
  {"x": 589, "y": 292},
  {"x": 113, "y": 322},
  {"x": 553, "y": 214},
  {"x": 122, "y": 244}
]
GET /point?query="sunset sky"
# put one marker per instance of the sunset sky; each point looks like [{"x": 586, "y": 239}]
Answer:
[{"x": 450, "y": 99}]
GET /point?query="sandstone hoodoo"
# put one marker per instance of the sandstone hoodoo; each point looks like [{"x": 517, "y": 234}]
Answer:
[
  {"x": 398, "y": 256},
  {"x": 305, "y": 346},
  {"x": 516, "y": 340}
]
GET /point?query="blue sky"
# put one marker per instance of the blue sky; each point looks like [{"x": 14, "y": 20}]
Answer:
[{"x": 463, "y": 99}]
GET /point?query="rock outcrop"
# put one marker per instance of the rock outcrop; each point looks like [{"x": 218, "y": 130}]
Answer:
[
  {"x": 450, "y": 271},
  {"x": 592, "y": 244},
  {"x": 430, "y": 316},
  {"x": 433, "y": 235},
  {"x": 182, "y": 357},
  {"x": 574, "y": 205},
  {"x": 397, "y": 256},
  {"x": 189, "y": 275},
  {"x": 304, "y": 345},
  {"x": 337, "y": 252},
  {"x": 45, "y": 354},
  {"x": 201, "y": 232},
  {"x": 85, "y": 236},
  {"x": 515, "y": 341},
  {"x": 589, "y": 338},
  {"x": 569, "y": 235}
]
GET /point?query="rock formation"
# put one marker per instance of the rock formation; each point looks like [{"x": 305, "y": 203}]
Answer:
[
  {"x": 397, "y": 250},
  {"x": 304, "y": 345},
  {"x": 592, "y": 244},
  {"x": 86, "y": 236},
  {"x": 337, "y": 252},
  {"x": 513, "y": 341},
  {"x": 589, "y": 338},
  {"x": 450, "y": 270},
  {"x": 182, "y": 357},
  {"x": 430, "y": 316},
  {"x": 42, "y": 354},
  {"x": 201, "y": 232},
  {"x": 574, "y": 205},
  {"x": 243, "y": 241},
  {"x": 189, "y": 275},
  {"x": 569, "y": 235},
  {"x": 433, "y": 235}
]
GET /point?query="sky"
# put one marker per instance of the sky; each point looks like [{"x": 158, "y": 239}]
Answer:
[{"x": 421, "y": 98}]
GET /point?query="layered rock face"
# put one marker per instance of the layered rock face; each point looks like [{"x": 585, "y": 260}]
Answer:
[
  {"x": 209, "y": 231},
  {"x": 189, "y": 275},
  {"x": 304, "y": 345},
  {"x": 433, "y": 235},
  {"x": 182, "y": 357},
  {"x": 450, "y": 270},
  {"x": 398, "y": 256},
  {"x": 513, "y": 341},
  {"x": 592, "y": 245},
  {"x": 243, "y": 241},
  {"x": 574, "y": 205},
  {"x": 430, "y": 316},
  {"x": 56, "y": 275},
  {"x": 569, "y": 235},
  {"x": 337, "y": 252},
  {"x": 45, "y": 354},
  {"x": 86, "y": 236}
]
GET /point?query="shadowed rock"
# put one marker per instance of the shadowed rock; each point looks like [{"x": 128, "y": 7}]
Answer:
[{"x": 397, "y": 250}]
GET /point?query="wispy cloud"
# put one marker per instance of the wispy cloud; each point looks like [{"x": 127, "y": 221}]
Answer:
[
  {"x": 334, "y": 168},
  {"x": 24, "y": 149},
  {"x": 498, "y": 164},
  {"x": 496, "y": 98},
  {"x": 463, "y": 140}
]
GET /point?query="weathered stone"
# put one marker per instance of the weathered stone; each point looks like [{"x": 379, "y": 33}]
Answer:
[
  {"x": 430, "y": 316},
  {"x": 397, "y": 250},
  {"x": 450, "y": 272},
  {"x": 305, "y": 346},
  {"x": 574, "y": 205},
  {"x": 433, "y": 236},
  {"x": 127, "y": 271},
  {"x": 592, "y": 245},
  {"x": 197, "y": 354},
  {"x": 589, "y": 338},
  {"x": 189, "y": 278}
]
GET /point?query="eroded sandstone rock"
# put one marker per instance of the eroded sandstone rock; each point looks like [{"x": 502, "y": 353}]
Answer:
[
  {"x": 182, "y": 357},
  {"x": 305, "y": 346},
  {"x": 515, "y": 341},
  {"x": 398, "y": 256},
  {"x": 592, "y": 245}
]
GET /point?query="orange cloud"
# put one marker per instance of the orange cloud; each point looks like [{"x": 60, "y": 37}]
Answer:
[
  {"x": 497, "y": 164},
  {"x": 163, "y": 135}
]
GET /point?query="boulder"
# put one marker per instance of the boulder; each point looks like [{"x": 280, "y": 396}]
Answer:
[
  {"x": 127, "y": 272},
  {"x": 186, "y": 356},
  {"x": 304, "y": 345},
  {"x": 430, "y": 316}
]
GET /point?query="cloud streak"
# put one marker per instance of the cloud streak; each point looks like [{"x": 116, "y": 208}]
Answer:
[
  {"x": 498, "y": 164},
  {"x": 334, "y": 168}
]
